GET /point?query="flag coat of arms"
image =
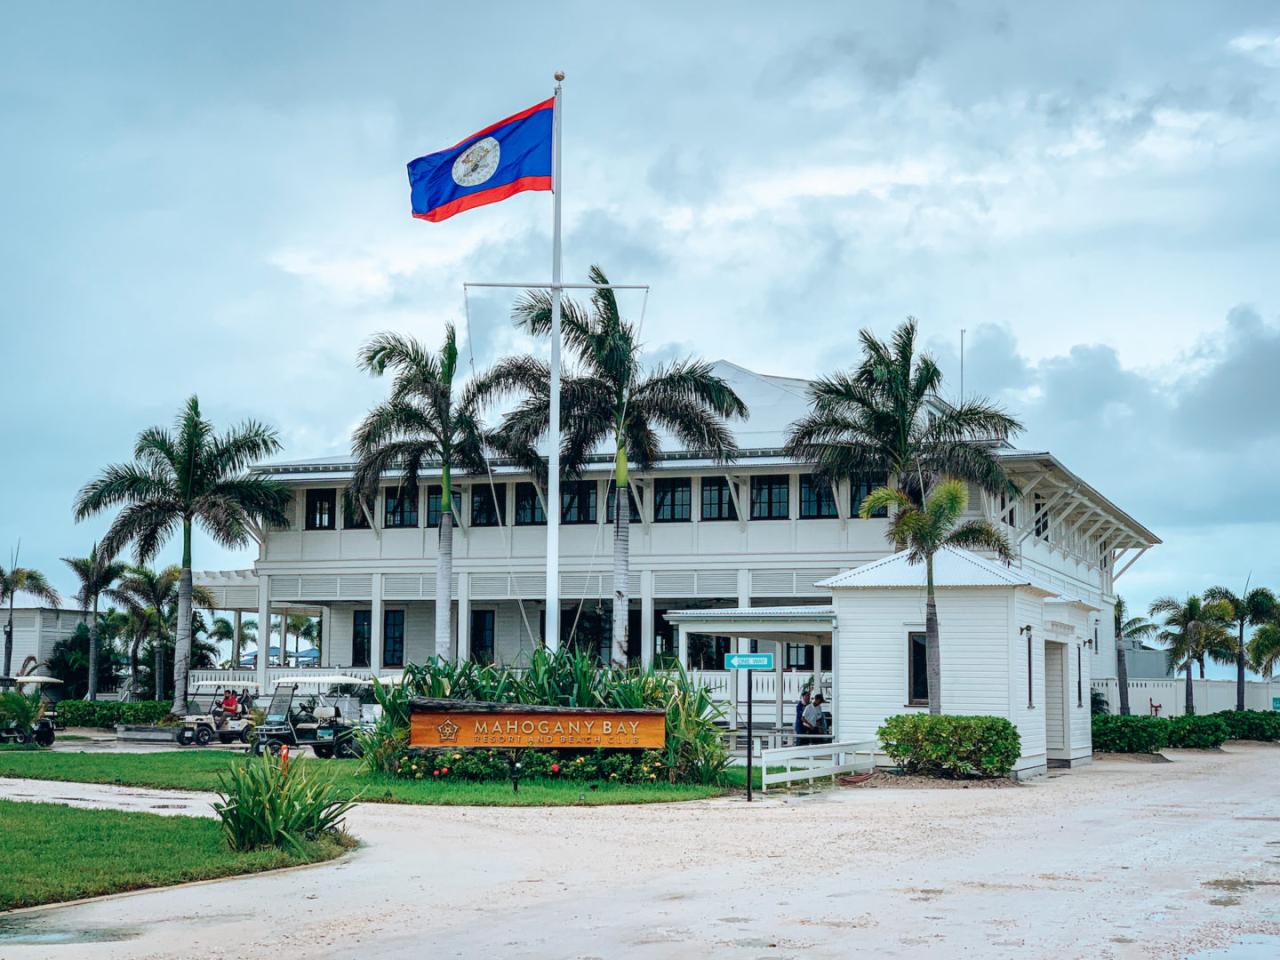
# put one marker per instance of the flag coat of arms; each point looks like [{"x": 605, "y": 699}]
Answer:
[{"x": 492, "y": 164}]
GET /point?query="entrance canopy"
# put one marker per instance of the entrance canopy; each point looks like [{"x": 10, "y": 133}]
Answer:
[{"x": 800, "y": 624}]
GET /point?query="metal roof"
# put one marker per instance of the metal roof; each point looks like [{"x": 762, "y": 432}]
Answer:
[{"x": 952, "y": 567}]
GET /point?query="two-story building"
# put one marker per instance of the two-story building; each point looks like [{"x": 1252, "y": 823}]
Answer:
[{"x": 761, "y": 532}]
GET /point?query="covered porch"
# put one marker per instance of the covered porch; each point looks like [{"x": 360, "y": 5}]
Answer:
[{"x": 761, "y": 629}]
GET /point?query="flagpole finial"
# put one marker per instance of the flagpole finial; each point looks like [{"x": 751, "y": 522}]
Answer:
[{"x": 559, "y": 75}]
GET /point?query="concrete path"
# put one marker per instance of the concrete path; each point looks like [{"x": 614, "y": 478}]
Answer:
[{"x": 1118, "y": 860}]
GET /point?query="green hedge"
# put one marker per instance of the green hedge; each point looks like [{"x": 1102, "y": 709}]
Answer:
[
  {"x": 1251, "y": 724},
  {"x": 107, "y": 713},
  {"x": 951, "y": 746},
  {"x": 1197, "y": 732},
  {"x": 616, "y": 766},
  {"x": 1133, "y": 734}
]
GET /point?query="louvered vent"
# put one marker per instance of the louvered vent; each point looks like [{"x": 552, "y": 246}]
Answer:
[
  {"x": 402, "y": 586},
  {"x": 489, "y": 585},
  {"x": 529, "y": 585},
  {"x": 674, "y": 583},
  {"x": 772, "y": 583},
  {"x": 242, "y": 596},
  {"x": 717, "y": 583},
  {"x": 284, "y": 588},
  {"x": 355, "y": 587}
]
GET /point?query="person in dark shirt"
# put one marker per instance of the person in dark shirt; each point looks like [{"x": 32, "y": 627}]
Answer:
[{"x": 800, "y": 707}]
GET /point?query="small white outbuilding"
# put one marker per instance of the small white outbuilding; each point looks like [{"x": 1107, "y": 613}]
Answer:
[{"x": 1011, "y": 645}]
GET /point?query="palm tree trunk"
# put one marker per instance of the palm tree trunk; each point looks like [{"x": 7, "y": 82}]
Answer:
[
  {"x": 8, "y": 639},
  {"x": 1200, "y": 661},
  {"x": 93, "y": 652},
  {"x": 444, "y": 580},
  {"x": 621, "y": 562},
  {"x": 182, "y": 652},
  {"x": 1122, "y": 676},
  {"x": 932, "y": 653},
  {"x": 1240, "y": 669},
  {"x": 133, "y": 667},
  {"x": 1191, "y": 699}
]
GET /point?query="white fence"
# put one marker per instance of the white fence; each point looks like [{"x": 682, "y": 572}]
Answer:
[
  {"x": 815, "y": 760},
  {"x": 236, "y": 678},
  {"x": 1168, "y": 697}
]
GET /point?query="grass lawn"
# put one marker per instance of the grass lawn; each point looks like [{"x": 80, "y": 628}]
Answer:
[
  {"x": 196, "y": 769},
  {"x": 55, "y": 853}
]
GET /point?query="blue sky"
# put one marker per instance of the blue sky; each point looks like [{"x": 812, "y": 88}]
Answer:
[{"x": 212, "y": 199}]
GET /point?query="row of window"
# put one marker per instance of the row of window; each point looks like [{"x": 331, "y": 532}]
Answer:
[{"x": 769, "y": 499}]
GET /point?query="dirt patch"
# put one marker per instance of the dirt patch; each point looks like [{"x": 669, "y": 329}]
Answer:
[
  {"x": 1239, "y": 885},
  {"x": 1133, "y": 757},
  {"x": 915, "y": 781}
]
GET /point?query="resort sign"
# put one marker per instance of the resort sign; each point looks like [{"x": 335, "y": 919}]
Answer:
[{"x": 438, "y": 723}]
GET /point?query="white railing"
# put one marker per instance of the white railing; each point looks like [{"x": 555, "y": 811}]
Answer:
[
  {"x": 815, "y": 760},
  {"x": 238, "y": 677},
  {"x": 1168, "y": 698}
]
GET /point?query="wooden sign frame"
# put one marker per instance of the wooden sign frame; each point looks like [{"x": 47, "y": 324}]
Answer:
[{"x": 475, "y": 724}]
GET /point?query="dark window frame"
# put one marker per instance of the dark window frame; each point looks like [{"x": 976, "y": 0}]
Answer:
[
  {"x": 483, "y": 494},
  {"x": 353, "y": 518},
  {"x": 326, "y": 497},
  {"x": 1079, "y": 676},
  {"x": 570, "y": 492},
  {"x": 404, "y": 516},
  {"x": 529, "y": 511},
  {"x": 859, "y": 487},
  {"x": 915, "y": 637},
  {"x": 636, "y": 506},
  {"x": 388, "y": 617},
  {"x": 361, "y": 637},
  {"x": 817, "y": 498},
  {"x": 722, "y": 500},
  {"x": 672, "y": 488},
  {"x": 775, "y": 508},
  {"x": 492, "y": 616}
]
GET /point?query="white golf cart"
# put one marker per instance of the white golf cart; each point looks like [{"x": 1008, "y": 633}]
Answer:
[
  {"x": 41, "y": 729},
  {"x": 212, "y": 720}
]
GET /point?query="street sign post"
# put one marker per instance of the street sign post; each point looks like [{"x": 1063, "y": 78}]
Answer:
[{"x": 748, "y": 662}]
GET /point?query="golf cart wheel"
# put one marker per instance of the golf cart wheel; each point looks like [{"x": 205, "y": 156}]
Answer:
[
  {"x": 44, "y": 736},
  {"x": 186, "y": 737},
  {"x": 246, "y": 735},
  {"x": 346, "y": 749},
  {"x": 259, "y": 746},
  {"x": 203, "y": 736},
  {"x": 322, "y": 751},
  {"x": 274, "y": 747}
]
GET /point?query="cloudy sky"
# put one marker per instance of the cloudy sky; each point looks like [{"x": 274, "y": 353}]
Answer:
[{"x": 212, "y": 199}]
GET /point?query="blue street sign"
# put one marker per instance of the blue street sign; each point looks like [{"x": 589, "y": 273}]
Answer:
[{"x": 748, "y": 661}]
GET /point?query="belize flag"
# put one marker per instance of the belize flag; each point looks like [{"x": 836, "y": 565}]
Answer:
[{"x": 490, "y": 165}]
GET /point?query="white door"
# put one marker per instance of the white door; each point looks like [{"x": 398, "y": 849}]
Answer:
[{"x": 1055, "y": 728}]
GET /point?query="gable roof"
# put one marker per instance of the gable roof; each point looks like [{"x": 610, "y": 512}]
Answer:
[{"x": 952, "y": 567}]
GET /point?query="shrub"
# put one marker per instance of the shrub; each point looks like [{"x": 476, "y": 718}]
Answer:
[
  {"x": 107, "y": 713},
  {"x": 1133, "y": 734},
  {"x": 269, "y": 802},
  {"x": 20, "y": 709},
  {"x": 1250, "y": 724},
  {"x": 613, "y": 766},
  {"x": 1197, "y": 732},
  {"x": 951, "y": 746}
]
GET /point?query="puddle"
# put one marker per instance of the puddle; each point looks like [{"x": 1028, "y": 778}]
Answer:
[
  {"x": 1249, "y": 948},
  {"x": 35, "y": 930}
]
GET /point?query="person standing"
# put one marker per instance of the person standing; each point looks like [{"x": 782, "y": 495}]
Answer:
[{"x": 801, "y": 704}]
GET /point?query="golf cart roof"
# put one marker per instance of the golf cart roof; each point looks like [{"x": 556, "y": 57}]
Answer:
[
  {"x": 328, "y": 680},
  {"x": 36, "y": 679},
  {"x": 226, "y": 683}
]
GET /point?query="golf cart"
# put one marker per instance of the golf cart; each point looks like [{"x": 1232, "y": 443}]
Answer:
[
  {"x": 212, "y": 720},
  {"x": 315, "y": 721},
  {"x": 38, "y": 728}
]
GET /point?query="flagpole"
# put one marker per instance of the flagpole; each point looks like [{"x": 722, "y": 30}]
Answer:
[{"x": 552, "y": 630}]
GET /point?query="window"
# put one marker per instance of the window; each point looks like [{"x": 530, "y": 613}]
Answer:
[
  {"x": 1008, "y": 510},
  {"x": 322, "y": 509},
  {"x": 1041, "y": 519},
  {"x": 817, "y": 499},
  {"x": 917, "y": 670},
  {"x": 434, "y": 494},
  {"x": 673, "y": 500},
  {"x": 400, "y": 507},
  {"x": 489, "y": 505},
  {"x": 529, "y": 512},
  {"x": 769, "y": 498},
  {"x": 859, "y": 487},
  {"x": 482, "y": 636},
  {"x": 353, "y": 517},
  {"x": 361, "y": 632},
  {"x": 633, "y": 508},
  {"x": 393, "y": 638},
  {"x": 799, "y": 656},
  {"x": 717, "y": 504},
  {"x": 578, "y": 501},
  {"x": 1079, "y": 678}
]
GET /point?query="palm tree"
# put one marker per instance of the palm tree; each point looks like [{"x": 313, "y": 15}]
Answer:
[
  {"x": 1254, "y": 608},
  {"x": 97, "y": 573},
  {"x": 14, "y": 581},
  {"x": 180, "y": 479},
  {"x": 248, "y": 638},
  {"x": 1127, "y": 629},
  {"x": 421, "y": 421},
  {"x": 146, "y": 593},
  {"x": 222, "y": 631},
  {"x": 303, "y": 628},
  {"x": 880, "y": 418},
  {"x": 923, "y": 531},
  {"x": 610, "y": 399},
  {"x": 1264, "y": 650},
  {"x": 1192, "y": 629}
]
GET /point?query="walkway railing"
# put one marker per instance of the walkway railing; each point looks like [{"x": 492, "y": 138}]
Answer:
[
  {"x": 816, "y": 760},
  {"x": 235, "y": 678}
]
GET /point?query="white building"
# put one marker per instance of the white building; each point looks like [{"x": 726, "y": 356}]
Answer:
[
  {"x": 36, "y": 631},
  {"x": 760, "y": 532}
]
